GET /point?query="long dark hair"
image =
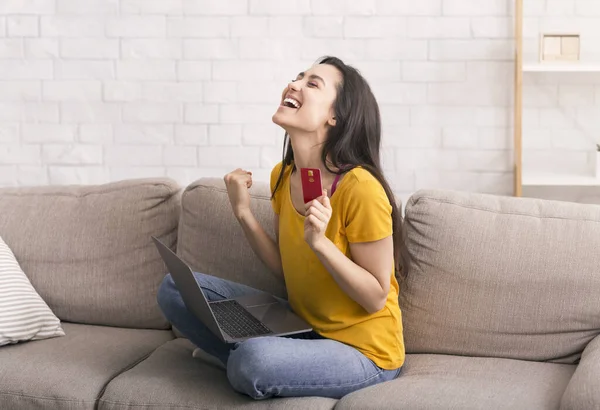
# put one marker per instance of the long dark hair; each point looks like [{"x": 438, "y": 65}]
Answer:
[{"x": 354, "y": 141}]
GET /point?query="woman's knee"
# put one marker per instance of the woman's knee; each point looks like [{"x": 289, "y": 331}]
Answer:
[{"x": 248, "y": 368}]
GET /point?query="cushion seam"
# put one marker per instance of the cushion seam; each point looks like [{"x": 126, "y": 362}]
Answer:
[
  {"x": 414, "y": 202},
  {"x": 221, "y": 190},
  {"x": 124, "y": 370},
  {"x": 98, "y": 192},
  {"x": 30, "y": 396},
  {"x": 183, "y": 406}
]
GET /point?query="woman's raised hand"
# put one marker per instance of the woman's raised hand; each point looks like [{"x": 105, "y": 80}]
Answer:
[{"x": 238, "y": 182}]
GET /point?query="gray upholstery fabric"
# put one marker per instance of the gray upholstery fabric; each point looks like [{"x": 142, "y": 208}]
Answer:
[
  {"x": 501, "y": 277},
  {"x": 583, "y": 391},
  {"x": 171, "y": 379},
  {"x": 431, "y": 382},
  {"x": 212, "y": 241},
  {"x": 70, "y": 372},
  {"x": 87, "y": 249}
]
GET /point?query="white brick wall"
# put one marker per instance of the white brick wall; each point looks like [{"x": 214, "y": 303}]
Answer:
[{"x": 100, "y": 90}]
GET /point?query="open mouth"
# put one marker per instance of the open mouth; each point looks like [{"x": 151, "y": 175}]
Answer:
[{"x": 291, "y": 103}]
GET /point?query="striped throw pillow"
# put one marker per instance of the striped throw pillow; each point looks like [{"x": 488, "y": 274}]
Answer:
[{"x": 24, "y": 315}]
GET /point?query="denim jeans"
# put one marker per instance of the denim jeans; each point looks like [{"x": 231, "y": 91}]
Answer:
[{"x": 301, "y": 365}]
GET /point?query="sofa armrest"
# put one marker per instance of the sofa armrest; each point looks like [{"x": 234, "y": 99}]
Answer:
[{"x": 583, "y": 391}]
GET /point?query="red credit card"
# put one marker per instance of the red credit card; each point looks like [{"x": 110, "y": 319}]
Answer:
[{"x": 312, "y": 186}]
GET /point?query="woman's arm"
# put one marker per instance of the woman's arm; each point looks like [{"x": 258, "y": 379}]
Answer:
[
  {"x": 366, "y": 279},
  {"x": 261, "y": 243},
  {"x": 238, "y": 183}
]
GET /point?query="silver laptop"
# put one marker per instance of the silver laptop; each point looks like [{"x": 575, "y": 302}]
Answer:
[{"x": 231, "y": 320}]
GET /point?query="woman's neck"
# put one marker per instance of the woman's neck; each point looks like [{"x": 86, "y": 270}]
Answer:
[{"x": 307, "y": 152}]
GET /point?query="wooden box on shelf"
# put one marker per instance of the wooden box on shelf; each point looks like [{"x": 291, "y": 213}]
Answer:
[{"x": 559, "y": 47}]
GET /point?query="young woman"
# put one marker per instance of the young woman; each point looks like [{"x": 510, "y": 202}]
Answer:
[{"x": 338, "y": 254}]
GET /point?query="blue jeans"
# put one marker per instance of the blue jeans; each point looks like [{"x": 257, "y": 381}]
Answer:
[{"x": 301, "y": 365}]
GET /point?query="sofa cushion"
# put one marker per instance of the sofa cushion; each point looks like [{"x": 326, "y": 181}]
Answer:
[
  {"x": 24, "y": 315},
  {"x": 87, "y": 249},
  {"x": 212, "y": 241},
  {"x": 583, "y": 391},
  {"x": 171, "y": 379},
  {"x": 70, "y": 372},
  {"x": 503, "y": 277},
  {"x": 430, "y": 382}
]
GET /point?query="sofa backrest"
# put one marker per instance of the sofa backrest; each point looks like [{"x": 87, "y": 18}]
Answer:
[
  {"x": 212, "y": 241},
  {"x": 501, "y": 276},
  {"x": 87, "y": 249}
]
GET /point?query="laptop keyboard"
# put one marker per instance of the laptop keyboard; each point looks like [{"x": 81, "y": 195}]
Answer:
[{"x": 236, "y": 321}]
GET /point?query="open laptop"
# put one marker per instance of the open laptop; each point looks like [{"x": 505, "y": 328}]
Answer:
[{"x": 231, "y": 320}]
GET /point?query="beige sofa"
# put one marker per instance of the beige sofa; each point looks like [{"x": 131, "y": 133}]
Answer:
[{"x": 501, "y": 307}]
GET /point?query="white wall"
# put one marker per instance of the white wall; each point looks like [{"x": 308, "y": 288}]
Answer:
[{"x": 100, "y": 90}]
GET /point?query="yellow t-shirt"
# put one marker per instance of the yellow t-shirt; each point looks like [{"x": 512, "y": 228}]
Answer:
[{"x": 361, "y": 212}]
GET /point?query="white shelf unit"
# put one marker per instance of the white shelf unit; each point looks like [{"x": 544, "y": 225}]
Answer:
[
  {"x": 575, "y": 67},
  {"x": 557, "y": 180},
  {"x": 528, "y": 178}
]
